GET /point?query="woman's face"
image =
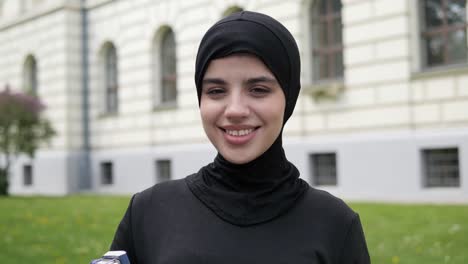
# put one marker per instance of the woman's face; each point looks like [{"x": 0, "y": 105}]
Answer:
[{"x": 242, "y": 107}]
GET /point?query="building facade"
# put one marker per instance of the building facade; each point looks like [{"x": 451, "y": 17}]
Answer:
[{"x": 382, "y": 115}]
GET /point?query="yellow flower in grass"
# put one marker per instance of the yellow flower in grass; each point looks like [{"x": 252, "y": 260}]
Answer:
[
  {"x": 60, "y": 260},
  {"x": 395, "y": 260},
  {"x": 43, "y": 220}
]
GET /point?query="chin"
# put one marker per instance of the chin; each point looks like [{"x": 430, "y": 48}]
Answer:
[{"x": 238, "y": 158}]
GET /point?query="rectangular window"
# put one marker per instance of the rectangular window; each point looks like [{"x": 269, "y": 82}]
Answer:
[
  {"x": 327, "y": 40},
  {"x": 323, "y": 168},
  {"x": 163, "y": 170},
  {"x": 444, "y": 32},
  {"x": 441, "y": 167},
  {"x": 107, "y": 173},
  {"x": 27, "y": 175}
]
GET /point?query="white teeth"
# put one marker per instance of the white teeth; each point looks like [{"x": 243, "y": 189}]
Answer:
[{"x": 239, "y": 132}]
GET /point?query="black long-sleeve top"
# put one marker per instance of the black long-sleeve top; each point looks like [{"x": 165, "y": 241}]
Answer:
[{"x": 167, "y": 224}]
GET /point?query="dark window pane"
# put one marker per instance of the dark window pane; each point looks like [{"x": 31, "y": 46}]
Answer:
[
  {"x": 434, "y": 13},
  {"x": 319, "y": 35},
  {"x": 168, "y": 53},
  {"x": 107, "y": 172},
  {"x": 338, "y": 32},
  {"x": 163, "y": 170},
  {"x": 168, "y": 62},
  {"x": 456, "y": 11},
  {"x": 322, "y": 7},
  {"x": 33, "y": 77},
  {"x": 327, "y": 40},
  {"x": 445, "y": 34},
  {"x": 111, "y": 78},
  {"x": 321, "y": 66},
  {"x": 30, "y": 75},
  {"x": 457, "y": 46},
  {"x": 323, "y": 169},
  {"x": 441, "y": 167},
  {"x": 336, "y": 5},
  {"x": 169, "y": 91},
  {"x": 323, "y": 35},
  {"x": 111, "y": 67},
  {"x": 27, "y": 175},
  {"x": 435, "y": 50}
]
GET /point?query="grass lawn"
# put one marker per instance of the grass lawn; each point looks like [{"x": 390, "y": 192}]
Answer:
[
  {"x": 76, "y": 229},
  {"x": 415, "y": 234},
  {"x": 72, "y": 229}
]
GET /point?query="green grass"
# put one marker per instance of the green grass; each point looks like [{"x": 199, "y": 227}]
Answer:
[
  {"x": 76, "y": 229},
  {"x": 73, "y": 229},
  {"x": 426, "y": 234}
]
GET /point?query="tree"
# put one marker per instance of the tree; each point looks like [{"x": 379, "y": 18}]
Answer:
[{"x": 22, "y": 129}]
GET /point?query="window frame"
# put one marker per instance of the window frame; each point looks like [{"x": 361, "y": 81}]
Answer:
[
  {"x": 111, "y": 79},
  {"x": 323, "y": 180},
  {"x": 168, "y": 77},
  {"x": 28, "y": 175},
  {"x": 327, "y": 50},
  {"x": 30, "y": 75},
  {"x": 445, "y": 29},
  {"x": 426, "y": 169},
  {"x": 107, "y": 173},
  {"x": 163, "y": 169}
]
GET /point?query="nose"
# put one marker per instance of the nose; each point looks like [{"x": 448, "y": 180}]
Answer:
[{"x": 237, "y": 106}]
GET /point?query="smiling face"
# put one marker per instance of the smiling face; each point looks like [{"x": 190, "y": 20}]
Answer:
[{"x": 242, "y": 107}]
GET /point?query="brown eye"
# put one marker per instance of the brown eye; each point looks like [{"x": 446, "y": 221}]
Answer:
[
  {"x": 215, "y": 91},
  {"x": 259, "y": 91}
]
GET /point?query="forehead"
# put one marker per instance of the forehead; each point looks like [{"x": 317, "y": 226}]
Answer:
[{"x": 239, "y": 63}]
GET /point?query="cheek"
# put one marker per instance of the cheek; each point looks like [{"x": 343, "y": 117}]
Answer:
[
  {"x": 273, "y": 118},
  {"x": 276, "y": 114},
  {"x": 207, "y": 113}
]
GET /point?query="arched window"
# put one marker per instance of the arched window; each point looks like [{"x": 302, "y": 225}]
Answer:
[
  {"x": 111, "y": 85},
  {"x": 167, "y": 63},
  {"x": 327, "y": 43},
  {"x": 30, "y": 75},
  {"x": 231, "y": 10}
]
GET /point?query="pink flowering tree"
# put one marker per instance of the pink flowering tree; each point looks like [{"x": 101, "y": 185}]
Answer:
[{"x": 22, "y": 129}]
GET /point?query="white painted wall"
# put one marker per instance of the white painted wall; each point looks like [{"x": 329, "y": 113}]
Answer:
[{"x": 389, "y": 109}]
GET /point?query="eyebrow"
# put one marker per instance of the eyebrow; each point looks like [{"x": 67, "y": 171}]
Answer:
[
  {"x": 248, "y": 81},
  {"x": 213, "y": 81},
  {"x": 261, "y": 79}
]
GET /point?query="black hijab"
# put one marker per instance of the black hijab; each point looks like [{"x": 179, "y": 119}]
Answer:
[{"x": 266, "y": 187}]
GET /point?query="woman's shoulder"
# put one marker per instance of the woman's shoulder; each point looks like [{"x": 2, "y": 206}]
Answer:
[
  {"x": 316, "y": 200},
  {"x": 164, "y": 192}
]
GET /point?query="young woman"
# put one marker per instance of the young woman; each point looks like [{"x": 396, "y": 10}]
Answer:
[{"x": 249, "y": 205}]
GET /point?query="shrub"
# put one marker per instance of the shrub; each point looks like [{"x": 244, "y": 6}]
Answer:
[{"x": 22, "y": 129}]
